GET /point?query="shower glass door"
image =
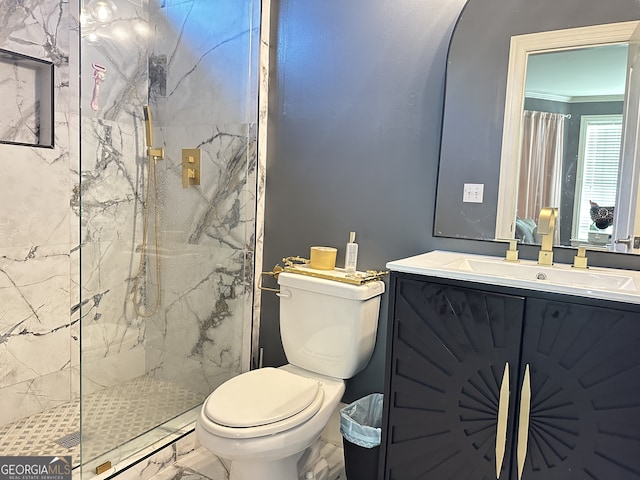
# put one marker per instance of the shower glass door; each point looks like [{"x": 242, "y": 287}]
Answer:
[{"x": 166, "y": 288}]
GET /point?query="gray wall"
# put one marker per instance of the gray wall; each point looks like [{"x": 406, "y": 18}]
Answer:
[
  {"x": 355, "y": 118},
  {"x": 355, "y": 123}
]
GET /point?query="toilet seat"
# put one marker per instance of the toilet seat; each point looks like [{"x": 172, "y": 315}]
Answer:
[{"x": 261, "y": 402}]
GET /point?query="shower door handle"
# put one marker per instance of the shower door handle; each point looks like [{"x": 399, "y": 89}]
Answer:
[
  {"x": 503, "y": 417},
  {"x": 523, "y": 423}
]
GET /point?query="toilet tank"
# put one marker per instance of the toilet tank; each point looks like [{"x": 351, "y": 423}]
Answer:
[{"x": 328, "y": 327}]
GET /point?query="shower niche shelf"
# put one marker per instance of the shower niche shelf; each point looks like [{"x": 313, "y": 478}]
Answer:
[{"x": 27, "y": 118}]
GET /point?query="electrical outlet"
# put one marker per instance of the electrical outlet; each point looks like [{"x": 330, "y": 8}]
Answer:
[{"x": 473, "y": 192}]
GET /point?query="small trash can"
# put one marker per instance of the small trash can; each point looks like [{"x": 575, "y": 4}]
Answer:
[{"x": 360, "y": 424}]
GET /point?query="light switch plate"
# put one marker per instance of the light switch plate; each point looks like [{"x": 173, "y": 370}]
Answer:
[{"x": 473, "y": 193}]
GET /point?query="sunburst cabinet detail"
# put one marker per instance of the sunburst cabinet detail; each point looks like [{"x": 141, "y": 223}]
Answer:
[{"x": 489, "y": 382}]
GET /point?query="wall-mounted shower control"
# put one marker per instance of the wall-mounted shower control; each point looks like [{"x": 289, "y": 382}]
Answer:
[{"x": 190, "y": 167}]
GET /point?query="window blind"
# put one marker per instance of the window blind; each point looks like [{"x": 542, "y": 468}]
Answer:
[{"x": 599, "y": 159}]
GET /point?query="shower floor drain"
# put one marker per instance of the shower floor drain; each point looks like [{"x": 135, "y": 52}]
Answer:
[{"x": 69, "y": 441}]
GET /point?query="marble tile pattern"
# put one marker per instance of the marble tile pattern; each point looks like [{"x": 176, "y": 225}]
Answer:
[
  {"x": 195, "y": 74},
  {"x": 114, "y": 413},
  {"x": 200, "y": 464},
  {"x": 209, "y": 231},
  {"x": 153, "y": 457},
  {"x": 35, "y": 222},
  {"x": 322, "y": 461},
  {"x": 252, "y": 338},
  {"x": 186, "y": 459},
  {"x": 76, "y": 211}
]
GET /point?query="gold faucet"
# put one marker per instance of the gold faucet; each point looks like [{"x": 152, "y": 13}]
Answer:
[{"x": 546, "y": 228}]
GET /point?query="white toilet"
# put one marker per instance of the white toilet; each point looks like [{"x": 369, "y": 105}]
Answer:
[{"x": 263, "y": 421}]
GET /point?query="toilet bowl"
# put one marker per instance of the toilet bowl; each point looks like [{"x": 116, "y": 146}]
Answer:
[
  {"x": 266, "y": 443},
  {"x": 264, "y": 420}
]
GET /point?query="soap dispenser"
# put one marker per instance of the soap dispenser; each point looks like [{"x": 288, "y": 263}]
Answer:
[{"x": 351, "y": 255}]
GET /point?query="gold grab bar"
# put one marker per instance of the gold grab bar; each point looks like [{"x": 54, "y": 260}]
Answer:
[
  {"x": 503, "y": 416},
  {"x": 523, "y": 424}
]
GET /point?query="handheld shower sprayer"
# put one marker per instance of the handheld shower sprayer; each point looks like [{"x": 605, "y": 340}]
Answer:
[
  {"x": 99, "y": 74},
  {"x": 148, "y": 125},
  {"x": 139, "y": 287},
  {"x": 155, "y": 153}
]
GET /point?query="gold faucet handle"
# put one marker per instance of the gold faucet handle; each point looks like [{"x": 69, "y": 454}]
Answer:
[
  {"x": 512, "y": 253},
  {"x": 580, "y": 260}
]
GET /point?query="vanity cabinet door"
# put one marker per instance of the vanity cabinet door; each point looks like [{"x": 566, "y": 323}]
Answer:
[
  {"x": 449, "y": 350},
  {"x": 584, "y": 420}
]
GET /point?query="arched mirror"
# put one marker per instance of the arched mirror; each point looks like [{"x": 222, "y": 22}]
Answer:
[{"x": 541, "y": 110}]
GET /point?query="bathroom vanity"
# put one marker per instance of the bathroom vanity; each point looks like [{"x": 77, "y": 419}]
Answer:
[{"x": 500, "y": 370}]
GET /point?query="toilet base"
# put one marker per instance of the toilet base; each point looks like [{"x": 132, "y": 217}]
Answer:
[{"x": 282, "y": 469}]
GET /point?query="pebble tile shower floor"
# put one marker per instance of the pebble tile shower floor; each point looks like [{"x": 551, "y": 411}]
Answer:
[{"x": 113, "y": 416}]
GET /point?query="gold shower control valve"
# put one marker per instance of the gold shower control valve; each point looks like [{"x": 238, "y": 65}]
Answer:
[{"x": 190, "y": 167}]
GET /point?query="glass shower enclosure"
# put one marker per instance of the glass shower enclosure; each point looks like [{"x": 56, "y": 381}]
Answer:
[{"x": 165, "y": 265}]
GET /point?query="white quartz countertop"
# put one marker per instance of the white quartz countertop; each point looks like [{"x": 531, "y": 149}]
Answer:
[{"x": 594, "y": 282}]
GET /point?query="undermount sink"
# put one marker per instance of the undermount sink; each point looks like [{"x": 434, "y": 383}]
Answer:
[{"x": 594, "y": 282}]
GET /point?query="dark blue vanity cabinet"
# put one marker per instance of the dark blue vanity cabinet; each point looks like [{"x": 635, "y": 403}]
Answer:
[{"x": 484, "y": 381}]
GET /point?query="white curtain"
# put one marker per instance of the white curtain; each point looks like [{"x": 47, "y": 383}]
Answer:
[{"x": 540, "y": 163}]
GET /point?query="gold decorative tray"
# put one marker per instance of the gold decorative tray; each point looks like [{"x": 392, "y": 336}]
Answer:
[
  {"x": 337, "y": 274},
  {"x": 301, "y": 266}
]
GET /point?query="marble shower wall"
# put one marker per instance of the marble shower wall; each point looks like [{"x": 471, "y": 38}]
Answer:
[
  {"x": 38, "y": 280},
  {"x": 210, "y": 103},
  {"x": 195, "y": 63},
  {"x": 113, "y": 173}
]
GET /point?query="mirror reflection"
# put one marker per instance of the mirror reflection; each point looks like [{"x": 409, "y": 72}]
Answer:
[
  {"x": 571, "y": 142},
  {"x": 568, "y": 102},
  {"x": 563, "y": 145}
]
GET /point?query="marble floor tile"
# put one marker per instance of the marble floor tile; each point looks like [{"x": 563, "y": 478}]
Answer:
[
  {"x": 112, "y": 416},
  {"x": 203, "y": 465},
  {"x": 200, "y": 464}
]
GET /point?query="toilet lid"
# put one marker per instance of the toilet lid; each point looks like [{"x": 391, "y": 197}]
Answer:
[{"x": 260, "y": 397}]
